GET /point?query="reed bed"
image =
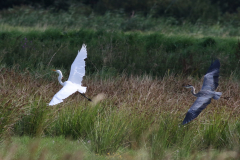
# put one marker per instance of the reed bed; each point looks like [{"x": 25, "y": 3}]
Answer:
[{"x": 127, "y": 112}]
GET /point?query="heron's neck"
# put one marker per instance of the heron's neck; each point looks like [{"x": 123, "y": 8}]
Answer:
[
  {"x": 60, "y": 78},
  {"x": 193, "y": 91}
]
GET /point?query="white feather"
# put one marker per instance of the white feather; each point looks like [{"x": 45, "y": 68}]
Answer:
[{"x": 74, "y": 81}]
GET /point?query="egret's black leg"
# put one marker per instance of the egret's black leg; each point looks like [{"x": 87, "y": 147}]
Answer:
[{"x": 86, "y": 97}]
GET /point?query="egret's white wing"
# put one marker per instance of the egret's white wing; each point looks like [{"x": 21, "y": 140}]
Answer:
[
  {"x": 78, "y": 67},
  {"x": 210, "y": 81},
  {"x": 197, "y": 107},
  {"x": 66, "y": 91}
]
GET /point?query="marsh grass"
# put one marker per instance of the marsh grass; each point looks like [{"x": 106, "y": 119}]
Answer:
[
  {"x": 41, "y": 149},
  {"x": 111, "y": 53},
  {"x": 138, "y": 112},
  {"x": 139, "y": 102}
]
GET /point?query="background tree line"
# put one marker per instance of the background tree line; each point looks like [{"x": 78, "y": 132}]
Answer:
[{"x": 181, "y": 10}]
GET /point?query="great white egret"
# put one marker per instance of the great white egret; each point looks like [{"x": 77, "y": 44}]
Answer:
[
  {"x": 74, "y": 82},
  {"x": 210, "y": 84}
]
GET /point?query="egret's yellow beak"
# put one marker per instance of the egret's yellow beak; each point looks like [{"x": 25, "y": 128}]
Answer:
[{"x": 54, "y": 70}]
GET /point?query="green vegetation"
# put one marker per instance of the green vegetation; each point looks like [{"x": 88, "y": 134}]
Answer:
[
  {"x": 41, "y": 148},
  {"x": 135, "y": 71},
  {"x": 112, "y": 53},
  {"x": 76, "y": 18},
  {"x": 205, "y": 11},
  {"x": 141, "y": 114}
]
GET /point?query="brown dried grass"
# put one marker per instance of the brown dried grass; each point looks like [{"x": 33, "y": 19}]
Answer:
[
  {"x": 134, "y": 93},
  {"x": 167, "y": 94}
]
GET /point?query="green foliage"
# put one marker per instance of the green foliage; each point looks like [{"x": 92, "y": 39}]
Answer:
[
  {"x": 113, "y": 124},
  {"x": 45, "y": 148},
  {"x": 75, "y": 124},
  {"x": 166, "y": 15},
  {"x": 115, "y": 52},
  {"x": 173, "y": 12},
  {"x": 109, "y": 131},
  {"x": 216, "y": 135},
  {"x": 230, "y": 6},
  {"x": 105, "y": 129},
  {"x": 35, "y": 121},
  {"x": 186, "y": 139},
  {"x": 56, "y": 4},
  {"x": 137, "y": 114},
  {"x": 208, "y": 42},
  {"x": 10, "y": 113}
]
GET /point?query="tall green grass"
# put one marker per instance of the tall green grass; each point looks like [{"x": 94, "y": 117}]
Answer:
[
  {"x": 141, "y": 76},
  {"x": 117, "y": 52},
  {"x": 137, "y": 113}
]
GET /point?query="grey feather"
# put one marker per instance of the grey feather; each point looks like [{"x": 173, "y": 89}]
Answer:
[
  {"x": 210, "y": 81},
  {"x": 197, "y": 107},
  {"x": 207, "y": 92}
]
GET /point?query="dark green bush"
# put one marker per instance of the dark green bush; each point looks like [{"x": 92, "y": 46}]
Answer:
[{"x": 133, "y": 53}]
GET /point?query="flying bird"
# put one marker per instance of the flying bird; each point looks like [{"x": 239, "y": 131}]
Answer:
[
  {"x": 204, "y": 96},
  {"x": 74, "y": 82}
]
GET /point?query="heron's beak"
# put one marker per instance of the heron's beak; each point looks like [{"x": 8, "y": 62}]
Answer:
[
  {"x": 54, "y": 70},
  {"x": 187, "y": 85}
]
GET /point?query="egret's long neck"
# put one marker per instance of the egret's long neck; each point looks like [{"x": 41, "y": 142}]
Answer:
[
  {"x": 193, "y": 91},
  {"x": 60, "y": 78}
]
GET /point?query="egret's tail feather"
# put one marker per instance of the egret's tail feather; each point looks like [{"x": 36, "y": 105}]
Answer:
[
  {"x": 82, "y": 89},
  {"x": 217, "y": 95}
]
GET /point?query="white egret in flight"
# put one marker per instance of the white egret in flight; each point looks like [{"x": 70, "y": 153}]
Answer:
[
  {"x": 74, "y": 82},
  {"x": 204, "y": 96}
]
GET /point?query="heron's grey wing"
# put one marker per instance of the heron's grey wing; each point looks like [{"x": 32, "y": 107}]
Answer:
[
  {"x": 197, "y": 107},
  {"x": 210, "y": 81},
  {"x": 66, "y": 91},
  {"x": 78, "y": 67}
]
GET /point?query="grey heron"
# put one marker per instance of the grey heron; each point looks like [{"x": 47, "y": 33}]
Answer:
[{"x": 207, "y": 92}]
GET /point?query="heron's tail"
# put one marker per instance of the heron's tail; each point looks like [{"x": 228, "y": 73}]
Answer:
[{"x": 217, "y": 95}]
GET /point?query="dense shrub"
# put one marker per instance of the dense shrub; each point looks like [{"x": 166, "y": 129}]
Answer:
[
  {"x": 133, "y": 53},
  {"x": 182, "y": 10}
]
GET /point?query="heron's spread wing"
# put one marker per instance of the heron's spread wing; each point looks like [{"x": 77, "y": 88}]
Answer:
[
  {"x": 210, "y": 81},
  {"x": 78, "y": 67},
  {"x": 197, "y": 107},
  {"x": 66, "y": 91}
]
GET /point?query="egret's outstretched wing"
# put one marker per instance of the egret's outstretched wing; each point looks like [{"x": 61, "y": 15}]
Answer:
[
  {"x": 66, "y": 91},
  {"x": 197, "y": 107},
  {"x": 210, "y": 81},
  {"x": 78, "y": 66}
]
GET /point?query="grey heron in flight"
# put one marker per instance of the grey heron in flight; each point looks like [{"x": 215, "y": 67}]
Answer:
[{"x": 204, "y": 96}]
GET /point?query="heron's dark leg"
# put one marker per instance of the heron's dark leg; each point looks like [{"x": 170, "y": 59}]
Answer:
[{"x": 85, "y": 97}]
